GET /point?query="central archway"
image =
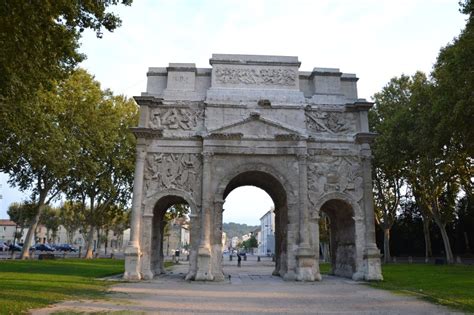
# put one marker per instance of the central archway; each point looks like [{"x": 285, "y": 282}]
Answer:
[{"x": 274, "y": 188}]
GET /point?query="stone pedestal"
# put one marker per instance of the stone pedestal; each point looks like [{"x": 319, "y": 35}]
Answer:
[
  {"x": 132, "y": 264},
  {"x": 373, "y": 270},
  {"x": 204, "y": 265},
  {"x": 306, "y": 265}
]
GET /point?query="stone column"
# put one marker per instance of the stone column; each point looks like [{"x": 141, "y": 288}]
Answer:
[
  {"x": 204, "y": 251},
  {"x": 195, "y": 228},
  {"x": 305, "y": 255},
  {"x": 371, "y": 252},
  {"x": 216, "y": 242},
  {"x": 146, "y": 247},
  {"x": 132, "y": 252},
  {"x": 303, "y": 201},
  {"x": 314, "y": 227}
]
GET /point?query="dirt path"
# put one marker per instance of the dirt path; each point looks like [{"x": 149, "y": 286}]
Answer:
[{"x": 249, "y": 290}]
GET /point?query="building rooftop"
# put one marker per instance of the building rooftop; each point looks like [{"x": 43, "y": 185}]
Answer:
[{"x": 4, "y": 222}]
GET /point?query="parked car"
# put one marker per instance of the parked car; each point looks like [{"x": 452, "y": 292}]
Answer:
[
  {"x": 15, "y": 248},
  {"x": 66, "y": 248},
  {"x": 43, "y": 248},
  {"x": 4, "y": 247}
]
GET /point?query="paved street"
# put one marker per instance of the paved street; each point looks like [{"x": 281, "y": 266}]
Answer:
[{"x": 251, "y": 289}]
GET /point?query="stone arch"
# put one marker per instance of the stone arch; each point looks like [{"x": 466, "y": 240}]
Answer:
[
  {"x": 152, "y": 200},
  {"x": 344, "y": 215},
  {"x": 154, "y": 211},
  {"x": 278, "y": 188},
  {"x": 261, "y": 167}
]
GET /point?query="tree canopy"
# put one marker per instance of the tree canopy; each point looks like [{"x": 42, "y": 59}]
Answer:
[
  {"x": 39, "y": 40},
  {"x": 426, "y": 136}
]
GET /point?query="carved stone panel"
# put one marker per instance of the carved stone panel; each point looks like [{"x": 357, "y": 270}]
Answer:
[
  {"x": 334, "y": 174},
  {"x": 257, "y": 76},
  {"x": 175, "y": 118},
  {"x": 332, "y": 122},
  {"x": 181, "y": 171}
]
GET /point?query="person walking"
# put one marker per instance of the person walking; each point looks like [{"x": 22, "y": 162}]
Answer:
[{"x": 239, "y": 260}]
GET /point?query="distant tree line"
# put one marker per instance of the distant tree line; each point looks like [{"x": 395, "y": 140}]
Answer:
[
  {"x": 237, "y": 229},
  {"x": 423, "y": 167}
]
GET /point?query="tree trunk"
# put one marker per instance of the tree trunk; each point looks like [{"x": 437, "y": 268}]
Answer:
[
  {"x": 70, "y": 236},
  {"x": 106, "y": 241},
  {"x": 90, "y": 240},
  {"x": 468, "y": 249},
  {"x": 447, "y": 244},
  {"x": 25, "y": 253},
  {"x": 387, "y": 258},
  {"x": 426, "y": 232},
  {"x": 97, "y": 248}
]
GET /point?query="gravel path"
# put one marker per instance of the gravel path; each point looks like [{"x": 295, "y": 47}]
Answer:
[{"x": 250, "y": 290}]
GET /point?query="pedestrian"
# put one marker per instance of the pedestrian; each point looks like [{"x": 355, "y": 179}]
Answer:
[{"x": 239, "y": 260}]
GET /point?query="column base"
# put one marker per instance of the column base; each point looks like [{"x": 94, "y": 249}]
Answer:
[
  {"x": 204, "y": 265},
  {"x": 290, "y": 275},
  {"x": 306, "y": 269},
  {"x": 373, "y": 269},
  {"x": 132, "y": 264}
]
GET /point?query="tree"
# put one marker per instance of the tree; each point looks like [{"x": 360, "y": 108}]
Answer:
[
  {"x": 386, "y": 171},
  {"x": 103, "y": 174},
  {"x": 71, "y": 218},
  {"x": 22, "y": 214},
  {"x": 453, "y": 76},
  {"x": 40, "y": 150},
  {"x": 50, "y": 219},
  {"x": 424, "y": 163}
]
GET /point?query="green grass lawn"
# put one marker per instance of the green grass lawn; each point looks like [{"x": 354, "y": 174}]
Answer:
[
  {"x": 37, "y": 283},
  {"x": 450, "y": 285}
]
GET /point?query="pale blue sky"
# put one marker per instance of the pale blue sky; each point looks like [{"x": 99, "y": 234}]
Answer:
[{"x": 376, "y": 39}]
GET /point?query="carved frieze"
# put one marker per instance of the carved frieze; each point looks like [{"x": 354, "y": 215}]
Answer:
[
  {"x": 180, "y": 171},
  {"x": 175, "y": 118},
  {"x": 332, "y": 122},
  {"x": 334, "y": 174},
  {"x": 256, "y": 76}
]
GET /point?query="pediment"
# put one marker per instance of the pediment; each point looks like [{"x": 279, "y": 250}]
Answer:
[{"x": 256, "y": 126}]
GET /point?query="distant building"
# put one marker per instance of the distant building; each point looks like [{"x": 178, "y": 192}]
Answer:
[
  {"x": 176, "y": 237},
  {"x": 258, "y": 236},
  {"x": 267, "y": 227},
  {"x": 234, "y": 242},
  {"x": 224, "y": 241},
  {"x": 7, "y": 231}
]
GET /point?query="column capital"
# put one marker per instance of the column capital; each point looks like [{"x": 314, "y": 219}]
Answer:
[
  {"x": 302, "y": 157},
  {"x": 141, "y": 153},
  {"x": 219, "y": 201},
  {"x": 207, "y": 156}
]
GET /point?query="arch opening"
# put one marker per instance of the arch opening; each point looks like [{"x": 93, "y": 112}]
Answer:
[
  {"x": 337, "y": 220},
  {"x": 273, "y": 224},
  {"x": 170, "y": 231}
]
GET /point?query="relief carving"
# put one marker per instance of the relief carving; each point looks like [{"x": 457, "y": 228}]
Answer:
[
  {"x": 336, "y": 174},
  {"x": 180, "y": 171},
  {"x": 175, "y": 118},
  {"x": 333, "y": 122},
  {"x": 267, "y": 76}
]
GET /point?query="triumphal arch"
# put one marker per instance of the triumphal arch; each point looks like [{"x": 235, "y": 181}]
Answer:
[{"x": 301, "y": 136}]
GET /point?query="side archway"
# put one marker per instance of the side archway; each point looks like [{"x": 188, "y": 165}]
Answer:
[
  {"x": 154, "y": 223},
  {"x": 344, "y": 241}
]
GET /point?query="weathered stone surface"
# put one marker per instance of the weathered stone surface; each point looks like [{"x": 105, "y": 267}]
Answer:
[{"x": 255, "y": 120}]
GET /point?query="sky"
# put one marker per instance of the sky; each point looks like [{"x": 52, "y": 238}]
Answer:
[{"x": 376, "y": 39}]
